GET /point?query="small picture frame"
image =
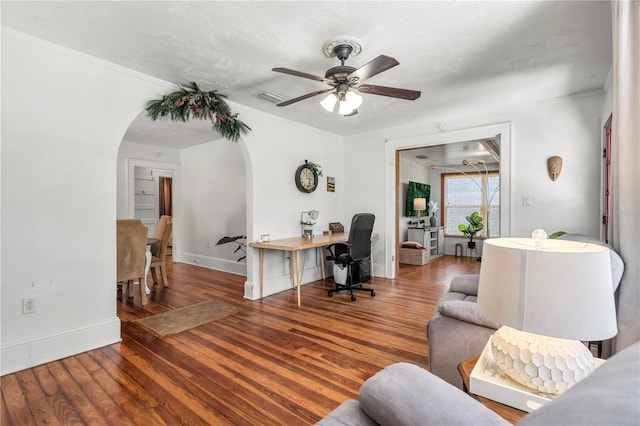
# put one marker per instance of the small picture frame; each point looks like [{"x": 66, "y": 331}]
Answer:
[{"x": 331, "y": 184}]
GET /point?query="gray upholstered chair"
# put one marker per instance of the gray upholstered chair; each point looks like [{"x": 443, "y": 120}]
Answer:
[{"x": 458, "y": 331}]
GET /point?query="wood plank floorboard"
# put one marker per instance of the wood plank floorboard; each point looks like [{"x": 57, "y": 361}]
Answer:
[{"x": 268, "y": 364}]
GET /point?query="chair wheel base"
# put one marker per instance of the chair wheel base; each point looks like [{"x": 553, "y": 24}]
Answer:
[{"x": 350, "y": 288}]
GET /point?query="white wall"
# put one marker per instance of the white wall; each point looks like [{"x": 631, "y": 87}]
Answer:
[
  {"x": 274, "y": 149},
  {"x": 213, "y": 204},
  {"x": 567, "y": 126},
  {"x": 63, "y": 118}
]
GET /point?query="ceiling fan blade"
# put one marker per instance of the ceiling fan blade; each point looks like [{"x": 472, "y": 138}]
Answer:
[
  {"x": 302, "y": 74},
  {"x": 392, "y": 92},
  {"x": 371, "y": 68},
  {"x": 303, "y": 97}
]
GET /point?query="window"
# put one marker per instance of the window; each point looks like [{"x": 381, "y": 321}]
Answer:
[{"x": 469, "y": 192}]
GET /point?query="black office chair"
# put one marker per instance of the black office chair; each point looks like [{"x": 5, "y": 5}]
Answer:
[{"x": 355, "y": 255}]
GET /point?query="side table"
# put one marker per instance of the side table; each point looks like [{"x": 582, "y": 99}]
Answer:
[{"x": 510, "y": 414}]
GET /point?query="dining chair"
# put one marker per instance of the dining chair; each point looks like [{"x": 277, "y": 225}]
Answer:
[
  {"x": 159, "y": 252},
  {"x": 158, "y": 232},
  {"x": 131, "y": 249}
]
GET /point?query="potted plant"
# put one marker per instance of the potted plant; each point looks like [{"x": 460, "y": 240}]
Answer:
[
  {"x": 240, "y": 242},
  {"x": 475, "y": 225}
]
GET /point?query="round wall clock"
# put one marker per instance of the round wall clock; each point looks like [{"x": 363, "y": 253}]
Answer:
[{"x": 306, "y": 178}]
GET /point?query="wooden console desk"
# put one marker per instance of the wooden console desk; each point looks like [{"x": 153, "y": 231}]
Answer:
[{"x": 294, "y": 246}]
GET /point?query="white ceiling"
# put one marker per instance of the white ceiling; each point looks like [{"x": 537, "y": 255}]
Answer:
[{"x": 455, "y": 52}]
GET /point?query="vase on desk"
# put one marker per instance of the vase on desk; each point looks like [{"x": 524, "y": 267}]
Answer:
[{"x": 433, "y": 220}]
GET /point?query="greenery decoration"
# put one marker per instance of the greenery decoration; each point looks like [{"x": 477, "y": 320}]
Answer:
[
  {"x": 190, "y": 102},
  {"x": 314, "y": 167},
  {"x": 417, "y": 190},
  {"x": 556, "y": 234}
]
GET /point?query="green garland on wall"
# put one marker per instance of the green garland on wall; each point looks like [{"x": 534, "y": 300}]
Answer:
[{"x": 190, "y": 102}]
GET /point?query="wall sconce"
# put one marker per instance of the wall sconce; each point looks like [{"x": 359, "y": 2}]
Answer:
[{"x": 554, "y": 166}]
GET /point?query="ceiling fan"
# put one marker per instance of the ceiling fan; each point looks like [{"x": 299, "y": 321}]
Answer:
[{"x": 343, "y": 79}]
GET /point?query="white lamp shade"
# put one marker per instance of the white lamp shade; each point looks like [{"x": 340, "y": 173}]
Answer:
[
  {"x": 419, "y": 203},
  {"x": 353, "y": 100},
  {"x": 344, "y": 109},
  {"x": 563, "y": 290},
  {"x": 329, "y": 103}
]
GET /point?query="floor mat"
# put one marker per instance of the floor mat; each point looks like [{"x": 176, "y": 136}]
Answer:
[{"x": 182, "y": 319}]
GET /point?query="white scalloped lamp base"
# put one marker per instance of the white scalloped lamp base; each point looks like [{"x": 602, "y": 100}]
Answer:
[
  {"x": 489, "y": 380},
  {"x": 541, "y": 363}
]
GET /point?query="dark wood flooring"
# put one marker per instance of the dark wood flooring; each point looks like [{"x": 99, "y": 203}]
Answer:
[{"x": 269, "y": 364}]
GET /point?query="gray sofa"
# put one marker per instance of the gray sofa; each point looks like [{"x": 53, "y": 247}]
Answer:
[
  {"x": 404, "y": 394},
  {"x": 458, "y": 332}
]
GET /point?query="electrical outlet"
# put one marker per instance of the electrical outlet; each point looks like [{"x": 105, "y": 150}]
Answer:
[{"x": 28, "y": 305}]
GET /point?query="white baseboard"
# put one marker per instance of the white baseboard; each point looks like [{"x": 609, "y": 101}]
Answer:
[
  {"x": 224, "y": 265},
  {"x": 27, "y": 354},
  {"x": 281, "y": 283}
]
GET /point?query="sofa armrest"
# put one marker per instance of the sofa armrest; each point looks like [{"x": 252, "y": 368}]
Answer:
[
  {"x": 466, "y": 284},
  {"x": 405, "y": 394},
  {"x": 347, "y": 414},
  {"x": 467, "y": 311}
]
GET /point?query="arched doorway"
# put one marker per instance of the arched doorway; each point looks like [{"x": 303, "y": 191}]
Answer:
[{"x": 209, "y": 186}]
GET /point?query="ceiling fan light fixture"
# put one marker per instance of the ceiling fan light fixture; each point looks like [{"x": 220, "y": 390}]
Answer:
[
  {"x": 329, "y": 103},
  {"x": 353, "y": 100},
  {"x": 345, "y": 109}
]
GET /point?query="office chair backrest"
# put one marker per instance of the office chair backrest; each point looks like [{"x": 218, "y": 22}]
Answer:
[{"x": 360, "y": 235}]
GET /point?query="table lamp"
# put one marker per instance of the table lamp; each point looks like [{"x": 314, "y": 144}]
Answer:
[
  {"x": 419, "y": 205},
  {"x": 549, "y": 295}
]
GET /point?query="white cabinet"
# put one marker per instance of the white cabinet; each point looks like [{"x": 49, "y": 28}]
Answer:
[{"x": 431, "y": 237}]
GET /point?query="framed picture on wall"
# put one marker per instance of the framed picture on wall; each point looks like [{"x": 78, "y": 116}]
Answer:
[
  {"x": 417, "y": 190},
  {"x": 331, "y": 184}
]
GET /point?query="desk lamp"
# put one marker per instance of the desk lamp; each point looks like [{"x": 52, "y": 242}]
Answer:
[
  {"x": 419, "y": 205},
  {"x": 549, "y": 295}
]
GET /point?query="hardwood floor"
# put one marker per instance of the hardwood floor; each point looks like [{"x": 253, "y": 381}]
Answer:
[{"x": 269, "y": 364}]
